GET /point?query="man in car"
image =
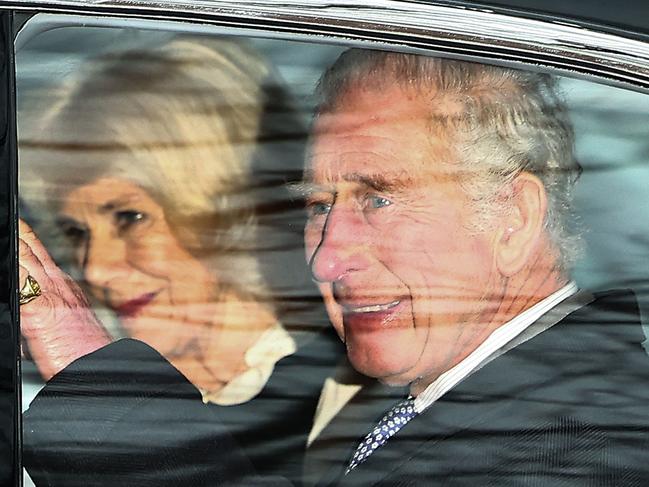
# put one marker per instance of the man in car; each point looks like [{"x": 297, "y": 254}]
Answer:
[{"x": 438, "y": 196}]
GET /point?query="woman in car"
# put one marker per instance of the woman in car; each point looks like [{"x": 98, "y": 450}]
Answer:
[{"x": 145, "y": 178}]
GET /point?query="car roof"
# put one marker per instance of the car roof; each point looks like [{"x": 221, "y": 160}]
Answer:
[
  {"x": 631, "y": 16},
  {"x": 625, "y": 17}
]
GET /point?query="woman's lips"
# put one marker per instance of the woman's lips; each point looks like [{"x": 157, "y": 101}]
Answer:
[{"x": 132, "y": 307}]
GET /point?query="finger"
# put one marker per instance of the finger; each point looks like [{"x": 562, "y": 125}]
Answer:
[
  {"x": 38, "y": 249},
  {"x": 22, "y": 275},
  {"x": 29, "y": 264},
  {"x": 24, "y": 350}
]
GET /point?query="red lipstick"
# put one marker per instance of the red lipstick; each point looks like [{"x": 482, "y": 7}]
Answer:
[{"x": 132, "y": 307}]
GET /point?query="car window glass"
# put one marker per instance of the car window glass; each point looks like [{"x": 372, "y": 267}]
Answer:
[{"x": 181, "y": 179}]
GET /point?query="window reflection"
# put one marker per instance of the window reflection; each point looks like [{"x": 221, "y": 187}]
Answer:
[{"x": 159, "y": 177}]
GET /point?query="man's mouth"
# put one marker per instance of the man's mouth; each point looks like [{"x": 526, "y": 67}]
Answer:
[{"x": 373, "y": 308}]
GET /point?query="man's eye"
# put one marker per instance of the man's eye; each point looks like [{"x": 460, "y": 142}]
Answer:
[
  {"x": 376, "y": 202},
  {"x": 125, "y": 219},
  {"x": 318, "y": 208}
]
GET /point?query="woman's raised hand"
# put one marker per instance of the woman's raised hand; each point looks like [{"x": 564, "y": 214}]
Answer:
[{"x": 58, "y": 325}]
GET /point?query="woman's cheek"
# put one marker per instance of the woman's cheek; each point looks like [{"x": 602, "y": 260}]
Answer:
[{"x": 155, "y": 259}]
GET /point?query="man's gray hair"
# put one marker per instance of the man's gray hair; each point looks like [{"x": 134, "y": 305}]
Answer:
[{"x": 507, "y": 121}]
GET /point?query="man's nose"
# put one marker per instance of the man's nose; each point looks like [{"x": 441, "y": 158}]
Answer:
[{"x": 342, "y": 248}]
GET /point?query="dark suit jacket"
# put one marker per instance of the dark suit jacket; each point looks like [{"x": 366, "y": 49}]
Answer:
[
  {"x": 124, "y": 416},
  {"x": 568, "y": 407}
]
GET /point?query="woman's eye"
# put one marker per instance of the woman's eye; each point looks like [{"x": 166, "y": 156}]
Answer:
[
  {"x": 376, "y": 202},
  {"x": 127, "y": 218},
  {"x": 75, "y": 234}
]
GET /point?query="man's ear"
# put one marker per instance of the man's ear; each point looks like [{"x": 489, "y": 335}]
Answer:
[{"x": 521, "y": 229}]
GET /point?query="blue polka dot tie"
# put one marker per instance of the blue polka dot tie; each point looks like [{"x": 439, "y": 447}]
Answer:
[{"x": 395, "y": 419}]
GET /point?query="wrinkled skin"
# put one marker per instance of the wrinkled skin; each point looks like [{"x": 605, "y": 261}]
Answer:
[
  {"x": 59, "y": 326},
  {"x": 408, "y": 285}
]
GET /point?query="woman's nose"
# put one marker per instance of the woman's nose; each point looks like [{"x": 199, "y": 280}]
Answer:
[
  {"x": 104, "y": 262},
  {"x": 342, "y": 249}
]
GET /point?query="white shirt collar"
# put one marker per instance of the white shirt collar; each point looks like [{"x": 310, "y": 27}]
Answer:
[
  {"x": 272, "y": 346},
  {"x": 498, "y": 338}
]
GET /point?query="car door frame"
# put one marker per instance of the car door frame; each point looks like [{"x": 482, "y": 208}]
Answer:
[{"x": 585, "y": 50}]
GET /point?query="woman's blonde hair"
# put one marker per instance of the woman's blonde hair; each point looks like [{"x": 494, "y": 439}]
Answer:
[{"x": 183, "y": 120}]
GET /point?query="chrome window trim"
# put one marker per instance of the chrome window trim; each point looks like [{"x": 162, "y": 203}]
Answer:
[{"x": 474, "y": 33}]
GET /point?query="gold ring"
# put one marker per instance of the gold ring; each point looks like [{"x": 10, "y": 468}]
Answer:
[{"x": 30, "y": 291}]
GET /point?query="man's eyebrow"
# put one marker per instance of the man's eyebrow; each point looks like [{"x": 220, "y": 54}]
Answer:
[
  {"x": 305, "y": 188},
  {"x": 377, "y": 182}
]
